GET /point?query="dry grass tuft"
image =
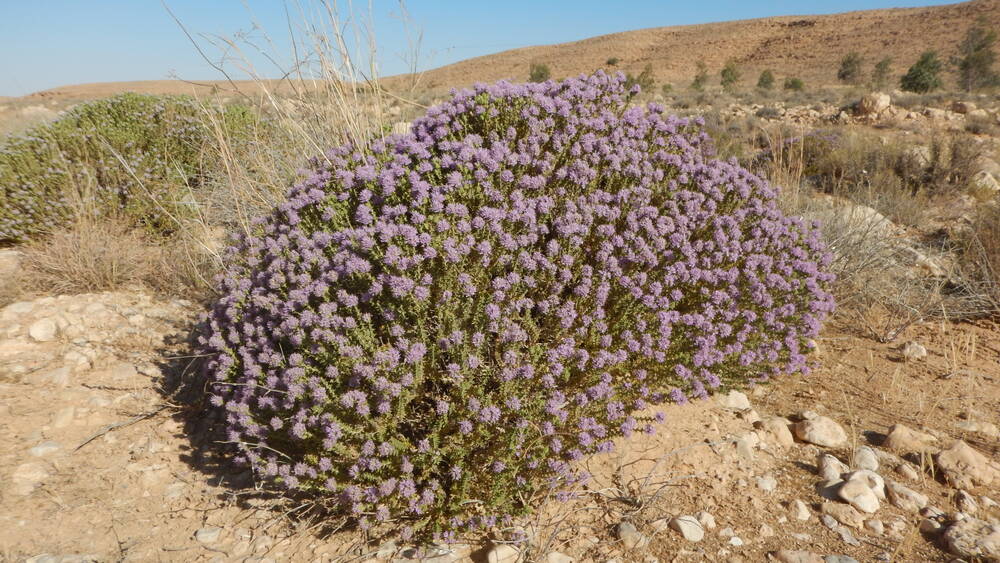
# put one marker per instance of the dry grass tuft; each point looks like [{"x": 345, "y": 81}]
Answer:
[{"x": 108, "y": 255}]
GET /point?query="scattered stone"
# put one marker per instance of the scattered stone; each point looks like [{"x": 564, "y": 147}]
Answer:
[
  {"x": 27, "y": 477},
  {"x": 778, "y": 427},
  {"x": 906, "y": 439},
  {"x": 735, "y": 541},
  {"x": 846, "y": 536},
  {"x": 830, "y": 489},
  {"x": 964, "y": 467},
  {"x": 765, "y": 531},
  {"x": 209, "y": 534},
  {"x": 873, "y": 104},
  {"x": 865, "y": 458},
  {"x": 966, "y": 503},
  {"x": 843, "y": 513},
  {"x": 631, "y": 537},
  {"x": 734, "y": 400},
  {"x": 905, "y": 498},
  {"x": 799, "y": 510},
  {"x": 821, "y": 431},
  {"x": 913, "y": 351},
  {"x": 557, "y": 557},
  {"x": 789, "y": 556},
  {"x": 830, "y": 468},
  {"x": 932, "y": 511},
  {"x": 875, "y": 526},
  {"x": 504, "y": 553},
  {"x": 59, "y": 376},
  {"x": 745, "y": 445},
  {"x": 45, "y": 448},
  {"x": 706, "y": 520},
  {"x": 726, "y": 532},
  {"x": 985, "y": 428},
  {"x": 801, "y": 536},
  {"x": 689, "y": 527},
  {"x": 988, "y": 502},
  {"x": 873, "y": 480},
  {"x": 858, "y": 494},
  {"x": 43, "y": 330},
  {"x": 963, "y": 107},
  {"x": 767, "y": 483},
  {"x": 908, "y": 471},
  {"x": 839, "y": 559},
  {"x": 930, "y": 526},
  {"x": 974, "y": 538}
]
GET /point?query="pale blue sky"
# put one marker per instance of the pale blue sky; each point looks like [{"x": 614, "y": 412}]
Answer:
[{"x": 48, "y": 43}]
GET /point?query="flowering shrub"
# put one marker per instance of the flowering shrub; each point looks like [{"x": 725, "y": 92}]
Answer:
[
  {"x": 134, "y": 154},
  {"x": 431, "y": 329}
]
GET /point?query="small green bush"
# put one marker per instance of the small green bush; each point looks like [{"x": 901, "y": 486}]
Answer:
[
  {"x": 974, "y": 66},
  {"x": 612, "y": 61},
  {"x": 538, "y": 72},
  {"x": 766, "y": 80},
  {"x": 924, "y": 76},
  {"x": 850, "y": 68},
  {"x": 135, "y": 155},
  {"x": 880, "y": 74},
  {"x": 730, "y": 76},
  {"x": 794, "y": 84},
  {"x": 644, "y": 80},
  {"x": 700, "y": 77}
]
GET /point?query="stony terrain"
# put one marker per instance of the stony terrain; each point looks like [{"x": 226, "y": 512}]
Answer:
[{"x": 885, "y": 453}]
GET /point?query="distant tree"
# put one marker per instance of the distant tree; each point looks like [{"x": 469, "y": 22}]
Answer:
[
  {"x": 880, "y": 74},
  {"x": 612, "y": 61},
  {"x": 850, "y": 68},
  {"x": 730, "y": 76},
  {"x": 644, "y": 81},
  {"x": 974, "y": 65},
  {"x": 700, "y": 77},
  {"x": 924, "y": 76},
  {"x": 796, "y": 84},
  {"x": 766, "y": 80},
  {"x": 538, "y": 72}
]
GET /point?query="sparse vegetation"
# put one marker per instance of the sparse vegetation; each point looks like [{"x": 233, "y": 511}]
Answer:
[
  {"x": 924, "y": 76},
  {"x": 766, "y": 80},
  {"x": 974, "y": 65},
  {"x": 730, "y": 76},
  {"x": 700, "y": 77},
  {"x": 538, "y": 72},
  {"x": 880, "y": 74},
  {"x": 644, "y": 80},
  {"x": 613, "y": 61},
  {"x": 136, "y": 156},
  {"x": 850, "y": 71},
  {"x": 794, "y": 84}
]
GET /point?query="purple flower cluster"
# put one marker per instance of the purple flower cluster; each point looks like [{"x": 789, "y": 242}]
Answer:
[{"x": 432, "y": 328}]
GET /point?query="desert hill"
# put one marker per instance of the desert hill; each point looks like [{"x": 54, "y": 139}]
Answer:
[{"x": 808, "y": 47}]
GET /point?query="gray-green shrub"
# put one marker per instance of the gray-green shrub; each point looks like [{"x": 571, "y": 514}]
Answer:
[{"x": 138, "y": 156}]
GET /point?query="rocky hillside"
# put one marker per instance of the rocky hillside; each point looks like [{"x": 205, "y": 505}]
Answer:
[{"x": 809, "y": 47}]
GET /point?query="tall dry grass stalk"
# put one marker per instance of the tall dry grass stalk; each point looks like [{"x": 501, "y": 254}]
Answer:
[{"x": 329, "y": 92}]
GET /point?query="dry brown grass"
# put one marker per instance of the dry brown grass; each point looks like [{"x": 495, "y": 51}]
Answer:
[
  {"x": 981, "y": 256},
  {"x": 107, "y": 255}
]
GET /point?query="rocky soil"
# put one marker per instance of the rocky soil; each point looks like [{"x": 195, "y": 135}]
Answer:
[{"x": 885, "y": 453}]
